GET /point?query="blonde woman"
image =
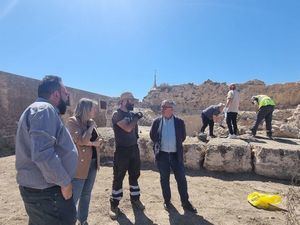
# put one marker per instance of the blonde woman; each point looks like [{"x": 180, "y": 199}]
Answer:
[{"x": 84, "y": 133}]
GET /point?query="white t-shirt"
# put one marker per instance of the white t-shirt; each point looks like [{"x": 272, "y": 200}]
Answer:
[{"x": 234, "y": 105}]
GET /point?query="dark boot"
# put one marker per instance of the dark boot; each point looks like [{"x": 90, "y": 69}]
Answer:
[{"x": 189, "y": 207}]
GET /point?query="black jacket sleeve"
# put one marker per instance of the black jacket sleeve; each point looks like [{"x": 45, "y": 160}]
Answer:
[
  {"x": 154, "y": 130},
  {"x": 183, "y": 131}
]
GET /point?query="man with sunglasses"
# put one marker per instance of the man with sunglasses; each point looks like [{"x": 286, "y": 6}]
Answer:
[
  {"x": 46, "y": 157},
  {"x": 169, "y": 131}
]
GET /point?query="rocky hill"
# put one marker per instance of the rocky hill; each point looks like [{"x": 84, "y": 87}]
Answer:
[{"x": 192, "y": 98}]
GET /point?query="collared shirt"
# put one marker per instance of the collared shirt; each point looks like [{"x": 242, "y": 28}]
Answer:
[
  {"x": 168, "y": 137},
  {"x": 45, "y": 152}
]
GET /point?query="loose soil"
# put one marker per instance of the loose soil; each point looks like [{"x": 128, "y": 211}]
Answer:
[{"x": 220, "y": 198}]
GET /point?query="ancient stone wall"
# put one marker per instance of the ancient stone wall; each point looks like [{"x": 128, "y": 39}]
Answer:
[
  {"x": 278, "y": 158},
  {"x": 17, "y": 92}
]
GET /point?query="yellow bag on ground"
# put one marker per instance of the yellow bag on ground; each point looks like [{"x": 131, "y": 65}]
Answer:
[{"x": 263, "y": 201}]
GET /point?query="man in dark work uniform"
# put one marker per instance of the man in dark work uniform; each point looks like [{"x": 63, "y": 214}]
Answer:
[{"x": 127, "y": 154}]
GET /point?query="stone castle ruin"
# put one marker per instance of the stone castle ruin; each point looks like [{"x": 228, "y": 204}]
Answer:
[
  {"x": 279, "y": 159},
  {"x": 191, "y": 99}
]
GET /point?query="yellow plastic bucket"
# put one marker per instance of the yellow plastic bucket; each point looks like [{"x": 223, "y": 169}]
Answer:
[{"x": 263, "y": 201}]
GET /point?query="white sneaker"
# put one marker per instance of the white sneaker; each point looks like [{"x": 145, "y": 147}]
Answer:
[{"x": 232, "y": 136}]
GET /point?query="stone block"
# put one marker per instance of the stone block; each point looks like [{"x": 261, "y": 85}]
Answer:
[
  {"x": 108, "y": 148},
  {"x": 146, "y": 149},
  {"x": 279, "y": 159},
  {"x": 194, "y": 155},
  {"x": 229, "y": 155}
]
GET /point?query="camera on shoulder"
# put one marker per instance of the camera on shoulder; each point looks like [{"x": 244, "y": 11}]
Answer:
[{"x": 138, "y": 115}]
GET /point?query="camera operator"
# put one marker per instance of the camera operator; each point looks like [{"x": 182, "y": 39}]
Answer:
[{"x": 127, "y": 155}]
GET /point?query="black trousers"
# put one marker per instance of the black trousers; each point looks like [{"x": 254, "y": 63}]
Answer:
[
  {"x": 205, "y": 122},
  {"x": 265, "y": 112},
  {"x": 126, "y": 159},
  {"x": 231, "y": 122},
  {"x": 165, "y": 163},
  {"x": 48, "y": 206}
]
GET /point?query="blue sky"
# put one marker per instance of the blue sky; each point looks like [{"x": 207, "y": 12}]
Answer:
[{"x": 110, "y": 46}]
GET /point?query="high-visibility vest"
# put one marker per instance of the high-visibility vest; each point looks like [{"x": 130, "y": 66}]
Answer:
[{"x": 264, "y": 100}]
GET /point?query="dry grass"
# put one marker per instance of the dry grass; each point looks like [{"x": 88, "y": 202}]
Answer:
[{"x": 293, "y": 203}]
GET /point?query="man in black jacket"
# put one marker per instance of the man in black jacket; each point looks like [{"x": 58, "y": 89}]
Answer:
[{"x": 168, "y": 133}]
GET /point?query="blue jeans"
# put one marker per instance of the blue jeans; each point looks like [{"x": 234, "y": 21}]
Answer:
[
  {"x": 48, "y": 206},
  {"x": 82, "y": 189},
  {"x": 166, "y": 162}
]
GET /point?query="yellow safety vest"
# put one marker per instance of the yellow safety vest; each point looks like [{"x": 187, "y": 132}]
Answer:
[{"x": 264, "y": 100}]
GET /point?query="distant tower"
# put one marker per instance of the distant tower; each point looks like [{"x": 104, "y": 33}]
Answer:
[{"x": 154, "y": 84}]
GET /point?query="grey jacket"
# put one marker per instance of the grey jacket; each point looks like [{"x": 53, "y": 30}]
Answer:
[{"x": 45, "y": 152}]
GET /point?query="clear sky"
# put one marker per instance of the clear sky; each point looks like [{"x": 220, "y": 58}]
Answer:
[{"x": 110, "y": 46}]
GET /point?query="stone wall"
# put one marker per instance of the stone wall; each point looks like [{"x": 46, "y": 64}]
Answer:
[
  {"x": 17, "y": 92},
  {"x": 279, "y": 158}
]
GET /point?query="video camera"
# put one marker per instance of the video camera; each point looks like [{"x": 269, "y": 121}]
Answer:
[{"x": 138, "y": 115}]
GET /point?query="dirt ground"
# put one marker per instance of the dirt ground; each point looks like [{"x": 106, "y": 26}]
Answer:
[{"x": 221, "y": 199}]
